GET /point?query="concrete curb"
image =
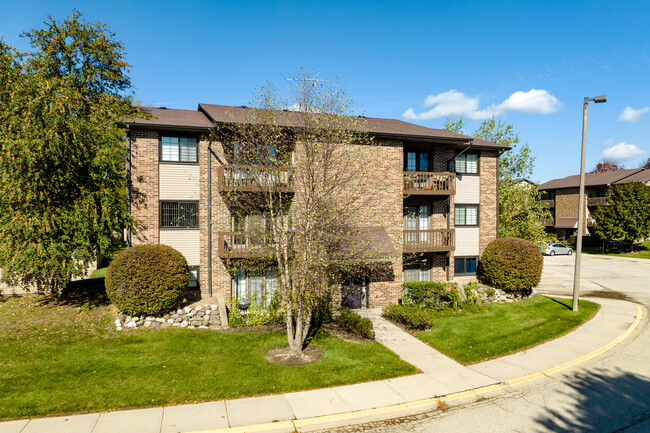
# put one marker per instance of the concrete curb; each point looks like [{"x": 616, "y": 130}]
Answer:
[{"x": 410, "y": 408}]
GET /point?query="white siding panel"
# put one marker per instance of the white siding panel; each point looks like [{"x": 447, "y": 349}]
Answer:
[
  {"x": 185, "y": 241},
  {"x": 179, "y": 182},
  {"x": 467, "y": 189},
  {"x": 466, "y": 241}
]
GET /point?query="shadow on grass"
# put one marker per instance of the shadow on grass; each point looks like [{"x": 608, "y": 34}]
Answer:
[
  {"x": 604, "y": 400},
  {"x": 84, "y": 293},
  {"x": 559, "y": 301}
]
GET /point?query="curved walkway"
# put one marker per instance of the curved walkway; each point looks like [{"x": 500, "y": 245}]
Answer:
[{"x": 442, "y": 381}]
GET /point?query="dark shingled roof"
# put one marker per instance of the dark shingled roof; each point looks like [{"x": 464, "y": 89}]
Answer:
[
  {"x": 167, "y": 117},
  {"x": 376, "y": 126},
  {"x": 642, "y": 176},
  {"x": 204, "y": 117},
  {"x": 591, "y": 179}
]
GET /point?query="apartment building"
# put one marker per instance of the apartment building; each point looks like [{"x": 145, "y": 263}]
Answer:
[
  {"x": 561, "y": 196},
  {"x": 437, "y": 211}
]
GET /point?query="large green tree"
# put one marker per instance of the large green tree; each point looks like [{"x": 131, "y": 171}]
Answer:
[
  {"x": 62, "y": 150},
  {"x": 520, "y": 209},
  {"x": 627, "y": 216}
]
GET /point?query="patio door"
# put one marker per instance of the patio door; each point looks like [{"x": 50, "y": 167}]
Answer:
[{"x": 417, "y": 218}]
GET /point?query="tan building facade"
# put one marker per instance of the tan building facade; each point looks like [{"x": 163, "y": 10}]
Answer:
[{"x": 437, "y": 206}]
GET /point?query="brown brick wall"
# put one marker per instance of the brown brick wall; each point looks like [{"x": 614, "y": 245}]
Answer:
[
  {"x": 144, "y": 181},
  {"x": 384, "y": 207},
  {"x": 566, "y": 203},
  {"x": 566, "y": 206},
  {"x": 488, "y": 199}
]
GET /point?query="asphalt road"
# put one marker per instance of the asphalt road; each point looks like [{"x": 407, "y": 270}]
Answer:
[{"x": 608, "y": 394}]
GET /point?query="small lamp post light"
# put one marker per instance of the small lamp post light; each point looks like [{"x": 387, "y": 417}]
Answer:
[
  {"x": 243, "y": 304},
  {"x": 581, "y": 200}
]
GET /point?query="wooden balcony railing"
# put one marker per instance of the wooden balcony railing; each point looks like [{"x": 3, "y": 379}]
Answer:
[
  {"x": 428, "y": 183},
  {"x": 422, "y": 241},
  {"x": 548, "y": 221},
  {"x": 253, "y": 178},
  {"x": 548, "y": 203},
  {"x": 233, "y": 245},
  {"x": 597, "y": 201}
]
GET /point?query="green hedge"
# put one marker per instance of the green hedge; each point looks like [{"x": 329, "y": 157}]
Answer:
[
  {"x": 352, "y": 322},
  {"x": 431, "y": 294},
  {"x": 147, "y": 279},
  {"x": 511, "y": 264},
  {"x": 411, "y": 316}
]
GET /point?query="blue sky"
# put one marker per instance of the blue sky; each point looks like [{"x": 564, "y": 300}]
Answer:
[{"x": 529, "y": 63}]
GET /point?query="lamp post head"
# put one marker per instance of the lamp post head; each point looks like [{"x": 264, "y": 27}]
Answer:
[{"x": 601, "y": 98}]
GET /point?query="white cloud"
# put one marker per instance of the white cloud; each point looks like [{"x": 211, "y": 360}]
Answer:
[
  {"x": 455, "y": 103},
  {"x": 622, "y": 152},
  {"x": 451, "y": 103},
  {"x": 533, "y": 101},
  {"x": 629, "y": 114}
]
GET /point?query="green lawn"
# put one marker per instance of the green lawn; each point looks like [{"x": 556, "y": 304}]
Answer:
[
  {"x": 62, "y": 359},
  {"x": 98, "y": 273},
  {"x": 640, "y": 250},
  {"x": 505, "y": 328}
]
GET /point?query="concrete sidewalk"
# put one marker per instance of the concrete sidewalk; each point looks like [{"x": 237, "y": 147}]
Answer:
[{"x": 440, "y": 377}]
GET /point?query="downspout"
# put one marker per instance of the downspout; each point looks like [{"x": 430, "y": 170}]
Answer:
[
  {"x": 209, "y": 222},
  {"x": 128, "y": 183}
]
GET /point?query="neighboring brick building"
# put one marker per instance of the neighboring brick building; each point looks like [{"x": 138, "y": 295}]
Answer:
[
  {"x": 438, "y": 209},
  {"x": 561, "y": 197}
]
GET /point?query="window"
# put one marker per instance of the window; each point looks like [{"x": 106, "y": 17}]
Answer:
[
  {"x": 466, "y": 215},
  {"x": 179, "y": 214},
  {"x": 416, "y": 161},
  {"x": 465, "y": 265},
  {"x": 194, "y": 278},
  {"x": 178, "y": 149},
  {"x": 258, "y": 287},
  {"x": 416, "y": 271},
  {"x": 255, "y": 155},
  {"x": 467, "y": 163}
]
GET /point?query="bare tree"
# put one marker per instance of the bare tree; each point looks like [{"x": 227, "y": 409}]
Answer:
[{"x": 304, "y": 162}]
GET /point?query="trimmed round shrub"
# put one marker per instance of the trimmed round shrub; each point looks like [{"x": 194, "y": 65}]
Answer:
[
  {"x": 147, "y": 279},
  {"x": 511, "y": 264}
]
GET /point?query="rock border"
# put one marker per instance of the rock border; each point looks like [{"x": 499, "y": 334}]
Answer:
[{"x": 206, "y": 316}]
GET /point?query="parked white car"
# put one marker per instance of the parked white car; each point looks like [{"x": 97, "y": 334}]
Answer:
[{"x": 553, "y": 249}]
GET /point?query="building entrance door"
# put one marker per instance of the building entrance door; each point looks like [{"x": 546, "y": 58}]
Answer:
[{"x": 354, "y": 293}]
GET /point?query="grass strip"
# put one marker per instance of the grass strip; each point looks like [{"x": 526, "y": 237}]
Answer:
[{"x": 505, "y": 328}]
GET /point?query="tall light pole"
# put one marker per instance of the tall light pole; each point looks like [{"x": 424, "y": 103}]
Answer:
[{"x": 581, "y": 200}]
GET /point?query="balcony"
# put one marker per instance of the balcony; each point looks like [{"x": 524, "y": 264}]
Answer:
[
  {"x": 428, "y": 183},
  {"x": 422, "y": 241},
  {"x": 548, "y": 203},
  {"x": 597, "y": 201},
  {"x": 253, "y": 178},
  {"x": 548, "y": 222},
  {"x": 237, "y": 245}
]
